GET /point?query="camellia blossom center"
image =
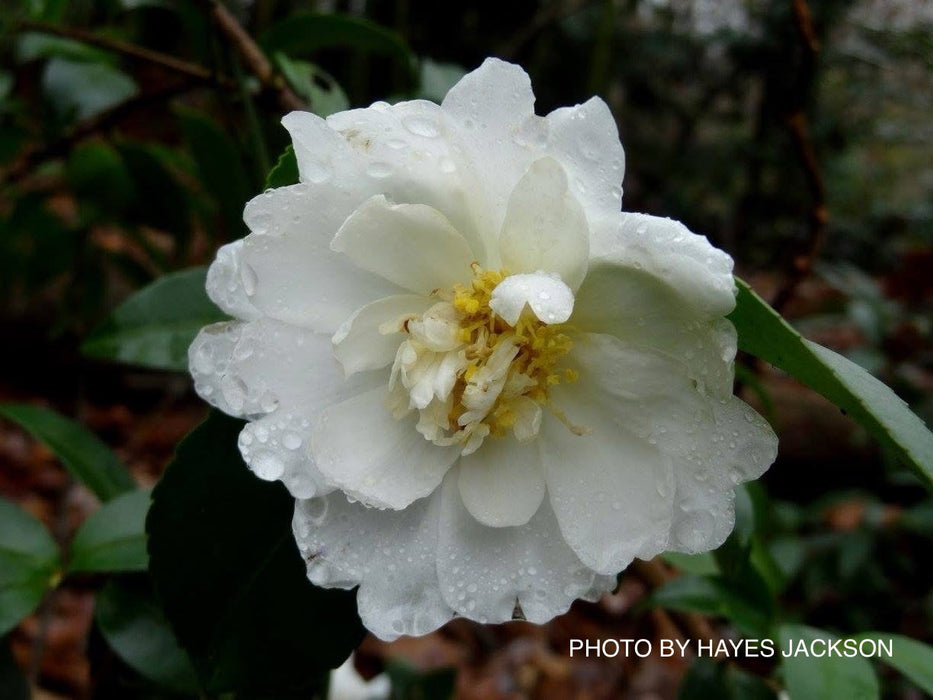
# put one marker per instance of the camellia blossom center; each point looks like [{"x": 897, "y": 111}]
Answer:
[{"x": 469, "y": 372}]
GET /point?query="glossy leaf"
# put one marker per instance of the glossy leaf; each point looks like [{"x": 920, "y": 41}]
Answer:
[
  {"x": 230, "y": 577},
  {"x": 29, "y": 562},
  {"x": 763, "y": 333},
  {"x": 303, "y": 33},
  {"x": 912, "y": 658},
  {"x": 711, "y": 595},
  {"x": 114, "y": 537},
  {"x": 155, "y": 326},
  {"x": 702, "y": 564},
  {"x": 80, "y": 90},
  {"x": 88, "y": 459},
  {"x": 220, "y": 167},
  {"x": 808, "y": 677},
  {"x": 134, "y": 626},
  {"x": 285, "y": 171}
]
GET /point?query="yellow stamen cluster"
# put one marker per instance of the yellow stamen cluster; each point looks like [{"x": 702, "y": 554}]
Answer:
[{"x": 540, "y": 347}]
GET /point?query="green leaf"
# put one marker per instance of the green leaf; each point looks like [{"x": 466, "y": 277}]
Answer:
[
  {"x": 163, "y": 202},
  {"x": 87, "y": 458},
  {"x": 912, "y": 658},
  {"x": 701, "y": 564},
  {"x": 80, "y": 90},
  {"x": 303, "y": 33},
  {"x": 763, "y": 333},
  {"x": 134, "y": 626},
  {"x": 113, "y": 538},
  {"x": 808, "y": 677},
  {"x": 316, "y": 86},
  {"x": 29, "y": 563},
  {"x": 220, "y": 167},
  {"x": 409, "y": 682},
  {"x": 713, "y": 595},
  {"x": 96, "y": 172},
  {"x": 13, "y": 684},
  {"x": 708, "y": 679},
  {"x": 435, "y": 79},
  {"x": 285, "y": 171},
  {"x": 155, "y": 326},
  {"x": 231, "y": 580}
]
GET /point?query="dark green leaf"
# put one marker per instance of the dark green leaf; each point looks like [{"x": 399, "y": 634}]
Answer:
[
  {"x": 79, "y": 90},
  {"x": 701, "y": 564},
  {"x": 87, "y": 458},
  {"x": 912, "y": 658},
  {"x": 285, "y": 171},
  {"x": 763, "y": 333},
  {"x": 230, "y": 577},
  {"x": 155, "y": 326},
  {"x": 316, "y": 86},
  {"x": 708, "y": 679},
  {"x": 162, "y": 202},
  {"x": 220, "y": 167},
  {"x": 29, "y": 562},
  {"x": 303, "y": 33},
  {"x": 136, "y": 629},
  {"x": 113, "y": 538},
  {"x": 96, "y": 172},
  {"x": 412, "y": 684},
  {"x": 712, "y": 595},
  {"x": 808, "y": 677},
  {"x": 13, "y": 684}
]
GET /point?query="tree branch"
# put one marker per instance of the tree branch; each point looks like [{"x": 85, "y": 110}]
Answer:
[
  {"x": 131, "y": 51},
  {"x": 253, "y": 57}
]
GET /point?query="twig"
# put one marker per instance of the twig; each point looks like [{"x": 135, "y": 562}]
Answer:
[
  {"x": 96, "y": 124},
  {"x": 253, "y": 57},
  {"x": 797, "y": 125},
  {"x": 132, "y": 51}
]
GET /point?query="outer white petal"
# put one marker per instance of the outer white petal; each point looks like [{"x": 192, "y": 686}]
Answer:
[
  {"x": 712, "y": 443},
  {"x": 611, "y": 490},
  {"x": 545, "y": 227},
  {"x": 411, "y": 245},
  {"x": 390, "y": 554},
  {"x": 289, "y": 270},
  {"x": 408, "y": 152},
  {"x": 484, "y": 571},
  {"x": 225, "y": 283},
  {"x": 548, "y": 297},
  {"x": 363, "y": 450},
  {"x": 492, "y": 114},
  {"x": 502, "y": 483},
  {"x": 698, "y": 273},
  {"x": 645, "y": 312},
  {"x": 366, "y": 341},
  {"x": 585, "y": 140},
  {"x": 280, "y": 376}
]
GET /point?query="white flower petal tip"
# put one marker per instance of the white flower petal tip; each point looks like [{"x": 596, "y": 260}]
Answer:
[
  {"x": 545, "y": 294},
  {"x": 487, "y": 387}
]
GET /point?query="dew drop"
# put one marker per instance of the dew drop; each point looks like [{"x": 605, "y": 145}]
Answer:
[
  {"x": 291, "y": 441},
  {"x": 421, "y": 126},
  {"x": 379, "y": 170}
]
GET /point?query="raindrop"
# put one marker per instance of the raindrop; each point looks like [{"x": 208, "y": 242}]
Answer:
[{"x": 420, "y": 126}]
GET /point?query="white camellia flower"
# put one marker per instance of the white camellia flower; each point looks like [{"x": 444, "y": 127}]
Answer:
[{"x": 488, "y": 388}]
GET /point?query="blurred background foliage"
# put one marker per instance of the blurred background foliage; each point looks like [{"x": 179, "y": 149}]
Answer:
[{"x": 795, "y": 136}]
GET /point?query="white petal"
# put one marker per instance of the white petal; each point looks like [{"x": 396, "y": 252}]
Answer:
[
  {"x": 405, "y": 151},
  {"x": 484, "y": 571},
  {"x": 585, "y": 140},
  {"x": 225, "y": 284},
  {"x": 698, "y": 273},
  {"x": 549, "y": 298},
  {"x": 390, "y": 554},
  {"x": 363, "y": 450},
  {"x": 502, "y": 483},
  {"x": 320, "y": 151},
  {"x": 545, "y": 227},
  {"x": 292, "y": 273},
  {"x": 369, "y": 339},
  {"x": 411, "y": 245},
  {"x": 492, "y": 112},
  {"x": 712, "y": 444},
  {"x": 645, "y": 312},
  {"x": 282, "y": 376}
]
